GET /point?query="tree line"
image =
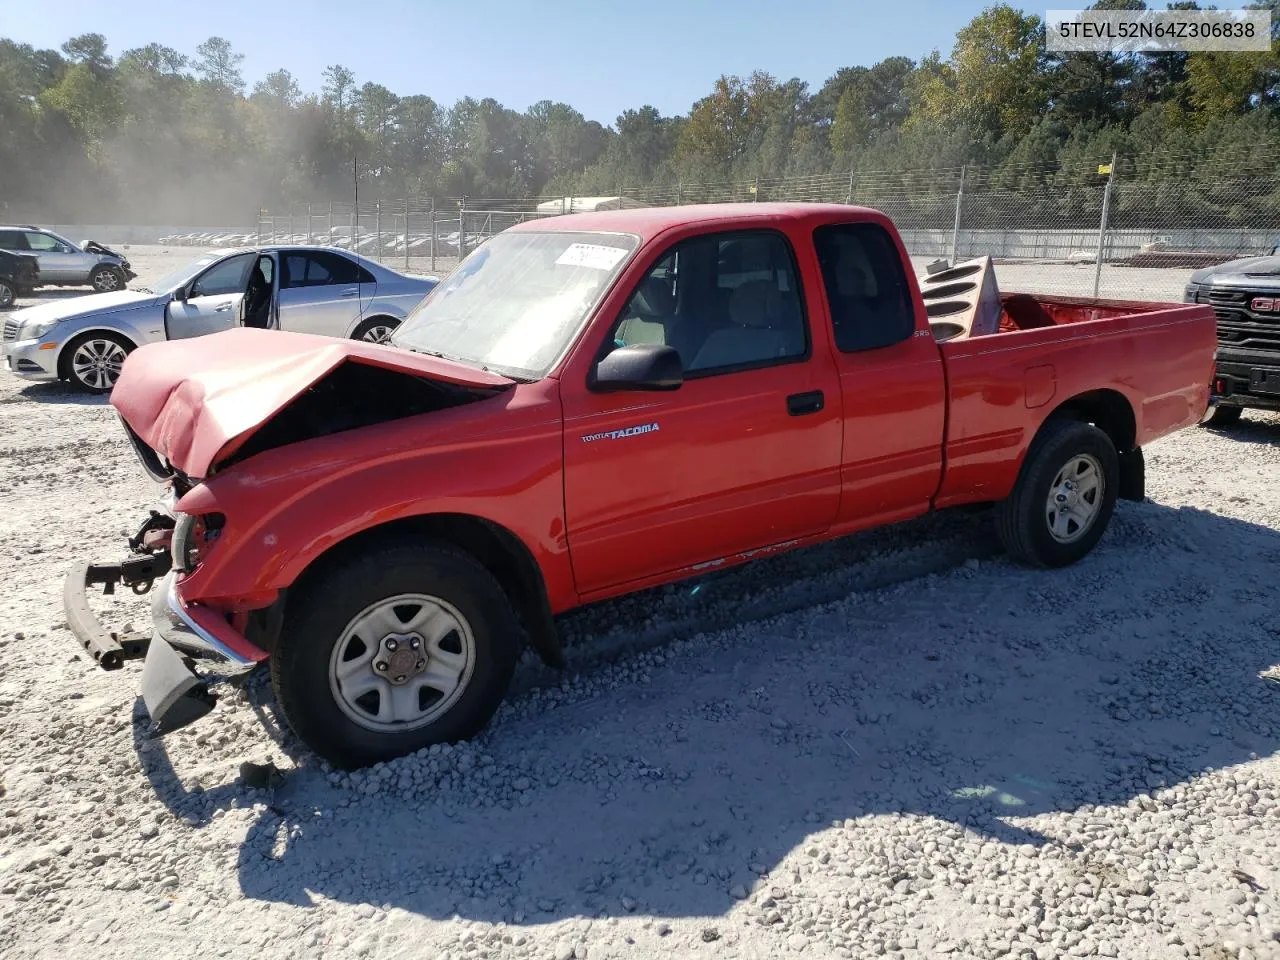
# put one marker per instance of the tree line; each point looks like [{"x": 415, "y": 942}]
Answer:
[{"x": 157, "y": 135}]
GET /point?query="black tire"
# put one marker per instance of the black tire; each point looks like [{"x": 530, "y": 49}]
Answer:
[
  {"x": 328, "y": 601},
  {"x": 1221, "y": 415},
  {"x": 106, "y": 279},
  {"x": 1022, "y": 519},
  {"x": 69, "y": 368},
  {"x": 372, "y": 324},
  {"x": 8, "y": 294}
]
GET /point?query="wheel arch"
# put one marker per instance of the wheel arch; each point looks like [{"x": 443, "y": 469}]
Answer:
[
  {"x": 1112, "y": 413},
  {"x": 64, "y": 353},
  {"x": 499, "y": 550},
  {"x": 380, "y": 314}
]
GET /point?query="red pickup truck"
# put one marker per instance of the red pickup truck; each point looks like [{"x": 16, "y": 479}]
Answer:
[{"x": 591, "y": 405}]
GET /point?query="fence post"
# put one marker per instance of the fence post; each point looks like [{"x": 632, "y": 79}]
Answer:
[
  {"x": 433, "y": 234},
  {"x": 406, "y": 234},
  {"x": 679, "y": 192},
  {"x": 377, "y": 230},
  {"x": 1102, "y": 225},
  {"x": 308, "y": 223},
  {"x": 955, "y": 231},
  {"x": 755, "y": 191},
  {"x": 849, "y": 197},
  {"x": 330, "y": 240},
  {"x": 462, "y": 228}
]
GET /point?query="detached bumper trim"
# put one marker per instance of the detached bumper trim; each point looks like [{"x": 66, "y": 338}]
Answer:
[{"x": 198, "y": 632}]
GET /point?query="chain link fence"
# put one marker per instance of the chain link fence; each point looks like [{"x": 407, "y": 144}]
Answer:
[{"x": 1125, "y": 229}]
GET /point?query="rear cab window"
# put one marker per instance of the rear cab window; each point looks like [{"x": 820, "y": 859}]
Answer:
[{"x": 866, "y": 286}]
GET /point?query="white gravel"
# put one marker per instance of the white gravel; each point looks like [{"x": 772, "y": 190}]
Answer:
[{"x": 898, "y": 745}]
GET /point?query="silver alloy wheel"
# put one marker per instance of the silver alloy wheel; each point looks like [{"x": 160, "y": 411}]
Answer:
[
  {"x": 402, "y": 662},
  {"x": 105, "y": 281},
  {"x": 96, "y": 363},
  {"x": 1075, "y": 498},
  {"x": 7, "y": 295},
  {"x": 379, "y": 333}
]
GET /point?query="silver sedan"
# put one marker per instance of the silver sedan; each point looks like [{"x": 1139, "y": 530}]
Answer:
[{"x": 308, "y": 289}]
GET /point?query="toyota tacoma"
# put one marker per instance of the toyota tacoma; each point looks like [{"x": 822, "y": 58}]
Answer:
[{"x": 591, "y": 405}]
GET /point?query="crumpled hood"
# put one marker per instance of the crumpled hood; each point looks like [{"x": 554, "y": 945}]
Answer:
[
  {"x": 74, "y": 307},
  {"x": 195, "y": 401}
]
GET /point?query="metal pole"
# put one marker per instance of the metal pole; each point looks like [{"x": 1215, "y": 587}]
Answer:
[
  {"x": 1102, "y": 226},
  {"x": 406, "y": 234},
  {"x": 308, "y": 223},
  {"x": 377, "y": 229},
  {"x": 849, "y": 199},
  {"x": 955, "y": 231},
  {"x": 679, "y": 192},
  {"x": 330, "y": 240},
  {"x": 755, "y": 191},
  {"x": 433, "y": 234},
  {"x": 462, "y": 228}
]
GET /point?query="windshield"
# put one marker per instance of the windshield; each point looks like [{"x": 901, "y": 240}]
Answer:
[
  {"x": 172, "y": 281},
  {"x": 515, "y": 304}
]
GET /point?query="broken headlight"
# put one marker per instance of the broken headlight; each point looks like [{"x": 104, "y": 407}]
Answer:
[{"x": 192, "y": 538}]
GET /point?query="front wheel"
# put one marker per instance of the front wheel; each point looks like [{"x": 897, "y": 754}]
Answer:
[
  {"x": 393, "y": 649},
  {"x": 1064, "y": 497},
  {"x": 8, "y": 294},
  {"x": 92, "y": 362},
  {"x": 376, "y": 330},
  {"x": 106, "y": 279}
]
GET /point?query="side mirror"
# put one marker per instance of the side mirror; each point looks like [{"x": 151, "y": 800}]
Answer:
[
  {"x": 640, "y": 366},
  {"x": 181, "y": 294}
]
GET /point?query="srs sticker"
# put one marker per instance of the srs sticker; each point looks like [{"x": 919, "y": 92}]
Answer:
[
  {"x": 592, "y": 255},
  {"x": 619, "y": 434}
]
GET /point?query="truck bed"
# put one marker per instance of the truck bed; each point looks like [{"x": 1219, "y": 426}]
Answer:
[{"x": 1148, "y": 364}]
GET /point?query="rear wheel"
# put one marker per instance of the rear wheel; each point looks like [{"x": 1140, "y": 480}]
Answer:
[
  {"x": 92, "y": 362},
  {"x": 376, "y": 330},
  {"x": 1064, "y": 498},
  {"x": 393, "y": 649},
  {"x": 8, "y": 294},
  {"x": 1221, "y": 415},
  {"x": 106, "y": 279}
]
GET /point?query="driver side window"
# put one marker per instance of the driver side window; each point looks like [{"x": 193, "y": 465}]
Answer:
[
  {"x": 227, "y": 277},
  {"x": 726, "y": 302}
]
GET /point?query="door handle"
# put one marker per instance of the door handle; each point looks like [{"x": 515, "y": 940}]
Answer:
[
  {"x": 349, "y": 293},
  {"x": 222, "y": 309},
  {"x": 798, "y": 404}
]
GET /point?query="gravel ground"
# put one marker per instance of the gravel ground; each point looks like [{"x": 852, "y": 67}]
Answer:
[{"x": 896, "y": 745}]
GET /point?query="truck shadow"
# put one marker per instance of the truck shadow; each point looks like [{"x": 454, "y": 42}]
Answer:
[
  {"x": 989, "y": 700},
  {"x": 1256, "y": 426}
]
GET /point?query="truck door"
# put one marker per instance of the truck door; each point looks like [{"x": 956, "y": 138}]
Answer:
[
  {"x": 744, "y": 455},
  {"x": 892, "y": 385}
]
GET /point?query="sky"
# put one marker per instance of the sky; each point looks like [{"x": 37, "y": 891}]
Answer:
[{"x": 600, "y": 57}]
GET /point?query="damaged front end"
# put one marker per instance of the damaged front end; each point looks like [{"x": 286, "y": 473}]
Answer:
[
  {"x": 193, "y": 410},
  {"x": 188, "y": 648}
]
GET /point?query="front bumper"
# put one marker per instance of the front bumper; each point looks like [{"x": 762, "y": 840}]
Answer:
[
  {"x": 1247, "y": 379},
  {"x": 25, "y": 358},
  {"x": 183, "y": 637}
]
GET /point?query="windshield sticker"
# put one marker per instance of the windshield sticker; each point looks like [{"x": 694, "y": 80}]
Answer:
[
  {"x": 592, "y": 255},
  {"x": 619, "y": 434}
]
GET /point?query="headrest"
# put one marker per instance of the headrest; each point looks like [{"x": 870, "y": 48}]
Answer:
[
  {"x": 653, "y": 299},
  {"x": 755, "y": 303}
]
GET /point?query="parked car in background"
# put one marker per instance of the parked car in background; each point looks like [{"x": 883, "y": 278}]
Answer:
[
  {"x": 588, "y": 406},
  {"x": 1245, "y": 296},
  {"x": 19, "y": 275},
  {"x": 67, "y": 264},
  {"x": 317, "y": 290}
]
